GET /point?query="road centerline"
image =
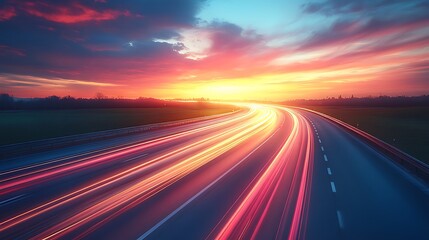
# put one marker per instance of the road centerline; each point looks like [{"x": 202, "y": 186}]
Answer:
[
  {"x": 340, "y": 219},
  {"x": 334, "y": 189}
]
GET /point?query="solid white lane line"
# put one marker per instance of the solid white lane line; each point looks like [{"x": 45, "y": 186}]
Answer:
[
  {"x": 334, "y": 189},
  {"x": 325, "y": 157},
  {"x": 10, "y": 200},
  {"x": 320, "y": 141},
  {"x": 322, "y": 148},
  {"x": 340, "y": 219},
  {"x": 329, "y": 171},
  {"x": 146, "y": 234}
]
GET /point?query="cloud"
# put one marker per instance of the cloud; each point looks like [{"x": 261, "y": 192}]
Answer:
[
  {"x": 358, "y": 20},
  {"x": 10, "y": 51},
  {"x": 59, "y": 82},
  {"x": 334, "y": 7},
  {"x": 69, "y": 14},
  {"x": 7, "y": 13},
  {"x": 131, "y": 45},
  {"x": 162, "y": 12},
  {"x": 84, "y": 39}
]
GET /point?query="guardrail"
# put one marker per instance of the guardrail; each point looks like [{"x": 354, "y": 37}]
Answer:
[
  {"x": 19, "y": 149},
  {"x": 410, "y": 163}
]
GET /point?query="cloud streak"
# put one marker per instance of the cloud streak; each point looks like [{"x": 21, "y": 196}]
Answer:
[{"x": 69, "y": 14}]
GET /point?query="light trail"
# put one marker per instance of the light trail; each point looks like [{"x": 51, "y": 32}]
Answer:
[
  {"x": 34, "y": 177},
  {"x": 156, "y": 182},
  {"x": 249, "y": 216},
  {"x": 209, "y": 151}
]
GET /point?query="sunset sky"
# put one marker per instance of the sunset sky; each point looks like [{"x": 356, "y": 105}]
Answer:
[{"x": 223, "y": 49}]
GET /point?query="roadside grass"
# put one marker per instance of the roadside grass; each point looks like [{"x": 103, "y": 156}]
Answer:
[
  {"x": 28, "y": 125},
  {"x": 406, "y": 128}
]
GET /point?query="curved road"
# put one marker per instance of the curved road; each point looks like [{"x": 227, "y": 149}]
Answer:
[{"x": 265, "y": 173}]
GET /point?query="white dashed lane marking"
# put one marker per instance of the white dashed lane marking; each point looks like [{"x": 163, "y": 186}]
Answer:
[
  {"x": 334, "y": 189},
  {"x": 325, "y": 157},
  {"x": 340, "y": 219}
]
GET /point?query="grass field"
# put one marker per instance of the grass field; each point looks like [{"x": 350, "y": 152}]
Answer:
[
  {"x": 406, "y": 128},
  {"x": 21, "y": 126}
]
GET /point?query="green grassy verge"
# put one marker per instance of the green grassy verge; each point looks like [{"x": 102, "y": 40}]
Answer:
[
  {"x": 21, "y": 126},
  {"x": 406, "y": 128}
]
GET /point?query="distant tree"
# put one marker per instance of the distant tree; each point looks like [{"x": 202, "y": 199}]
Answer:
[
  {"x": 68, "y": 98},
  {"x": 53, "y": 98},
  {"x": 4, "y": 97},
  {"x": 6, "y": 101},
  {"x": 100, "y": 95}
]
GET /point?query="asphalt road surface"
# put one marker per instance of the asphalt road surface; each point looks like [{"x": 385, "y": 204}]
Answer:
[{"x": 264, "y": 173}]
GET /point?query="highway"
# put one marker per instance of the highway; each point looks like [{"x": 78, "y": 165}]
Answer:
[{"x": 267, "y": 172}]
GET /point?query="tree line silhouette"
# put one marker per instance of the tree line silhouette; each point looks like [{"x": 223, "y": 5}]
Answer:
[
  {"x": 380, "y": 101},
  {"x": 8, "y": 102}
]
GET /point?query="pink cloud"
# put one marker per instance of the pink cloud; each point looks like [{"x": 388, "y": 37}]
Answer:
[
  {"x": 6, "y": 50},
  {"x": 73, "y": 13},
  {"x": 7, "y": 13}
]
